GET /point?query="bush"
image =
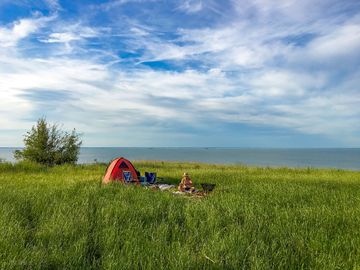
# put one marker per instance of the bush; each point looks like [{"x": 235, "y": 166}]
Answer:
[{"x": 47, "y": 144}]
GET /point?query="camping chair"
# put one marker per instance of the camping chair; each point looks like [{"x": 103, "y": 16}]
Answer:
[
  {"x": 127, "y": 176},
  {"x": 150, "y": 177}
]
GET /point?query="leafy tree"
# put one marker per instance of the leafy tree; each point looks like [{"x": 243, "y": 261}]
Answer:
[{"x": 47, "y": 144}]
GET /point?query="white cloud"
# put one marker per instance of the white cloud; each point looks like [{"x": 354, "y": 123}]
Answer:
[
  {"x": 73, "y": 32},
  {"x": 101, "y": 98},
  {"x": 191, "y": 6},
  {"x": 61, "y": 38},
  {"x": 69, "y": 34},
  {"x": 113, "y": 4},
  {"x": 11, "y": 35},
  {"x": 344, "y": 40},
  {"x": 281, "y": 83},
  {"x": 54, "y": 5},
  {"x": 248, "y": 71}
]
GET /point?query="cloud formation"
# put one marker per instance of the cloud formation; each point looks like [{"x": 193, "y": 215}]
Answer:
[{"x": 109, "y": 70}]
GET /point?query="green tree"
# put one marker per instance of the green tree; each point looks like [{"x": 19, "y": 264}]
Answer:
[{"x": 47, "y": 144}]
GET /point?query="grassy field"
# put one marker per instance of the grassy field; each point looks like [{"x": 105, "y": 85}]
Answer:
[{"x": 257, "y": 218}]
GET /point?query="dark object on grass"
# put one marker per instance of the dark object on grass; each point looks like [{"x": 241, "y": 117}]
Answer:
[
  {"x": 150, "y": 177},
  {"x": 208, "y": 187}
]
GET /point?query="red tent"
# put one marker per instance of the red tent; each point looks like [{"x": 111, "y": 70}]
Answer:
[{"x": 121, "y": 169}]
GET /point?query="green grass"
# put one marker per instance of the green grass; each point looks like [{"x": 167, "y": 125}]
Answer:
[{"x": 257, "y": 218}]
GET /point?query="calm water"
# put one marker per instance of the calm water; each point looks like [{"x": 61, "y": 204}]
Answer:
[{"x": 326, "y": 158}]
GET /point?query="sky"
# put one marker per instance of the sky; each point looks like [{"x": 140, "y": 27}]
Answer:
[{"x": 229, "y": 73}]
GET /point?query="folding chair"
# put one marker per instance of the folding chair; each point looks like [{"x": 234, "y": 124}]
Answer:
[
  {"x": 150, "y": 177},
  {"x": 127, "y": 176}
]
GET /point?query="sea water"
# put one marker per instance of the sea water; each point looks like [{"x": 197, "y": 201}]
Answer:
[{"x": 341, "y": 158}]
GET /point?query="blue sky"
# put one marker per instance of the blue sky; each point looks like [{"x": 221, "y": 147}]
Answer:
[{"x": 183, "y": 73}]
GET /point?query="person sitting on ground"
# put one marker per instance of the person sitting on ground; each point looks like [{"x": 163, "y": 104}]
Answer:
[{"x": 186, "y": 185}]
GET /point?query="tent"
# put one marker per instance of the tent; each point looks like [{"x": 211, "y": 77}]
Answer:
[{"x": 121, "y": 169}]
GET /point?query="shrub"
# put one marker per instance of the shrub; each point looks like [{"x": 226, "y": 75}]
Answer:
[{"x": 47, "y": 144}]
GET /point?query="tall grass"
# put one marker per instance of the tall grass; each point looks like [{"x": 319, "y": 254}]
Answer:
[{"x": 257, "y": 218}]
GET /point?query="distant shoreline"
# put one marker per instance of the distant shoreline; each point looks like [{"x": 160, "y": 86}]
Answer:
[{"x": 334, "y": 158}]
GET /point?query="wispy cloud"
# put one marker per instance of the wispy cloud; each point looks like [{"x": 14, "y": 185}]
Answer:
[
  {"x": 191, "y": 6},
  {"x": 111, "y": 4},
  {"x": 11, "y": 34},
  {"x": 54, "y": 5},
  {"x": 291, "y": 66}
]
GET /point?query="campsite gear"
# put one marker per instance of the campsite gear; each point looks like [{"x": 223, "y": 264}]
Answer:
[
  {"x": 150, "y": 177},
  {"x": 127, "y": 176},
  {"x": 208, "y": 187},
  {"x": 121, "y": 169},
  {"x": 186, "y": 185},
  {"x": 163, "y": 187}
]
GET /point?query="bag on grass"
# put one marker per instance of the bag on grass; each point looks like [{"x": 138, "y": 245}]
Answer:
[{"x": 150, "y": 177}]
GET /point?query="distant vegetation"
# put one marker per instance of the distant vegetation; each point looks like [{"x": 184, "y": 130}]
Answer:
[
  {"x": 257, "y": 218},
  {"x": 47, "y": 144}
]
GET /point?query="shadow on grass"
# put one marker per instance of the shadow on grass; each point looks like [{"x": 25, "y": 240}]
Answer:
[
  {"x": 29, "y": 221},
  {"x": 168, "y": 180},
  {"x": 93, "y": 255}
]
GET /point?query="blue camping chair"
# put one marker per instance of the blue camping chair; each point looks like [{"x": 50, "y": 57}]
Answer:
[
  {"x": 127, "y": 176},
  {"x": 150, "y": 177}
]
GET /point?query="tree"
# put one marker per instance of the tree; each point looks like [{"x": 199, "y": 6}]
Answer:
[{"x": 47, "y": 144}]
